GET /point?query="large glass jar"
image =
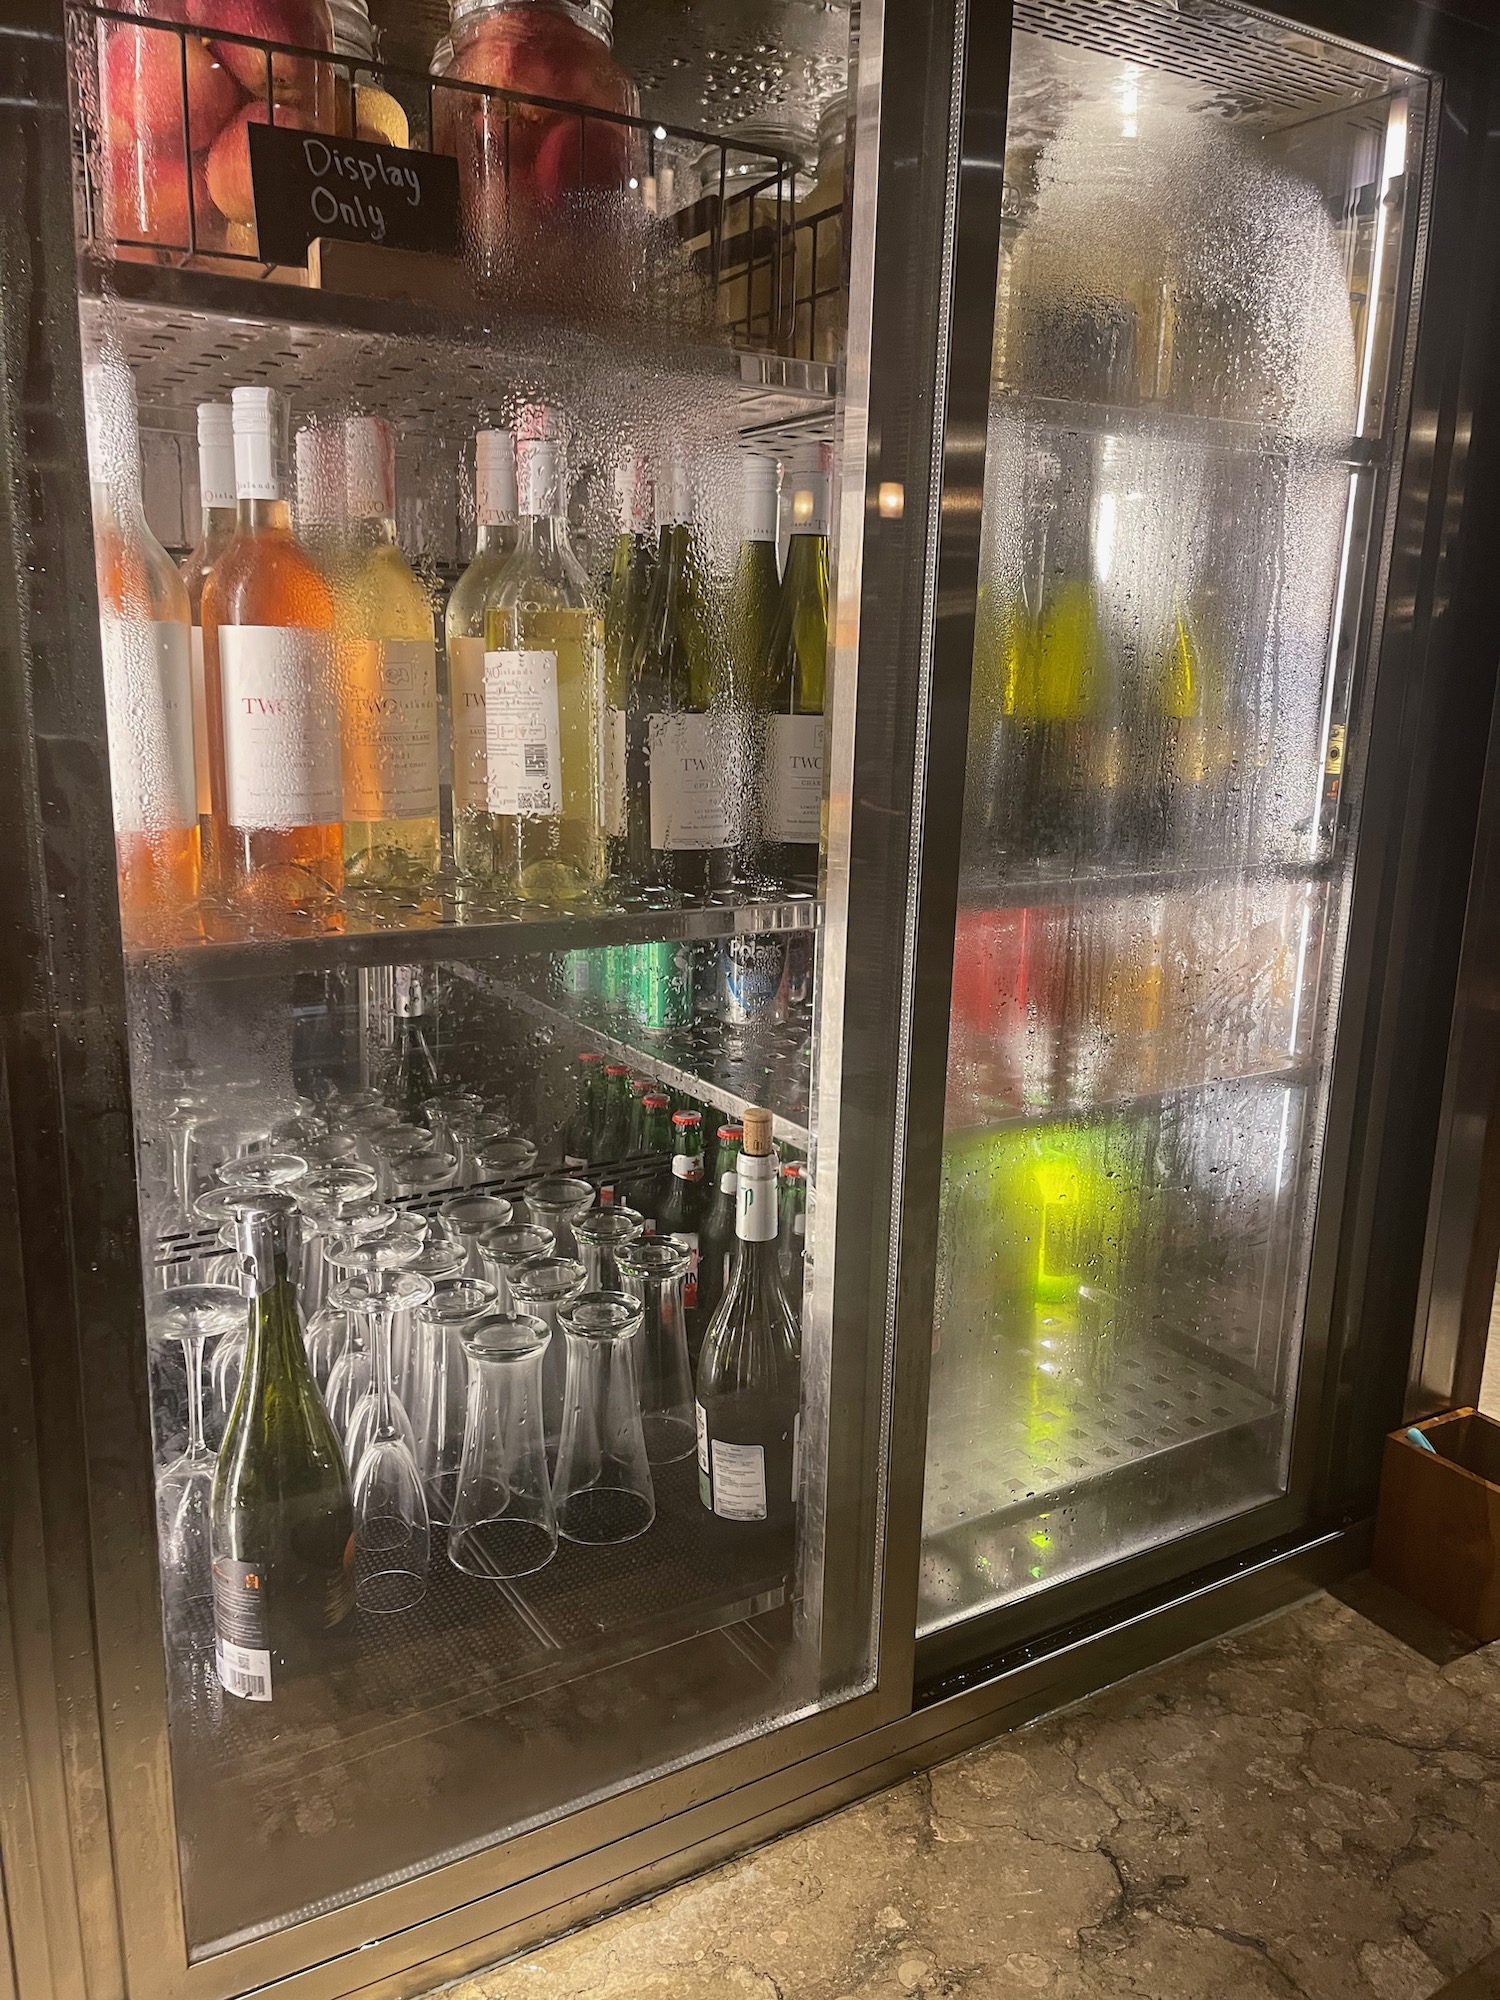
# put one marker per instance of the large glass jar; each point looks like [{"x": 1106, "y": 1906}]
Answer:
[
  {"x": 169, "y": 97},
  {"x": 521, "y": 164}
]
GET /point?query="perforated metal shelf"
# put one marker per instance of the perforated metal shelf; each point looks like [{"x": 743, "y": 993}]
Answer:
[
  {"x": 1050, "y": 1424},
  {"x": 459, "y": 928},
  {"x": 191, "y": 334}
]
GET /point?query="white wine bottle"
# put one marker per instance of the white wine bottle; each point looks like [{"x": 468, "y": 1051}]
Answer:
[
  {"x": 387, "y": 665},
  {"x": 792, "y": 802},
  {"x": 749, "y": 1372},
  {"x": 282, "y": 1519},
  {"x": 543, "y": 688},
  {"x": 496, "y": 535}
]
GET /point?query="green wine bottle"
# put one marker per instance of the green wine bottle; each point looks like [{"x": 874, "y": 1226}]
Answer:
[
  {"x": 496, "y": 534},
  {"x": 630, "y": 580},
  {"x": 282, "y": 1523},
  {"x": 755, "y": 587},
  {"x": 749, "y": 1372},
  {"x": 716, "y": 1238},
  {"x": 792, "y": 782},
  {"x": 682, "y": 817}
]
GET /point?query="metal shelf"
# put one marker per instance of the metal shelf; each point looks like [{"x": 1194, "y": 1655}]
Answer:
[
  {"x": 1179, "y": 427},
  {"x": 401, "y": 935},
  {"x": 1057, "y": 883},
  {"x": 773, "y": 1071},
  {"x": 190, "y": 334},
  {"x": 1133, "y": 1104}
]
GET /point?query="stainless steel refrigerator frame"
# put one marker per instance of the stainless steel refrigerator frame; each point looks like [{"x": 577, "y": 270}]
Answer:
[{"x": 85, "y": 1818}]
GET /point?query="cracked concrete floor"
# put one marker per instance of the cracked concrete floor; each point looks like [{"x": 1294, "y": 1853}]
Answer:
[{"x": 1310, "y": 1807}]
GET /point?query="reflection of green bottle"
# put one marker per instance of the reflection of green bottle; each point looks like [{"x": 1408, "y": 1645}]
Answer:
[
  {"x": 1058, "y": 762},
  {"x": 1184, "y": 755}
]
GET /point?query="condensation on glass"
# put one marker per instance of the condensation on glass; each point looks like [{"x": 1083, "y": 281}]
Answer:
[{"x": 1198, "y": 320}]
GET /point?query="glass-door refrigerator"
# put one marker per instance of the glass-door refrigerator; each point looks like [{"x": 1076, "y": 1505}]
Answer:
[
  {"x": 721, "y": 802},
  {"x": 1176, "y": 867}
]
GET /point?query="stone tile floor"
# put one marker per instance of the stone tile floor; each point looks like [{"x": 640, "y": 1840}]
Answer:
[{"x": 1309, "y": 1808}]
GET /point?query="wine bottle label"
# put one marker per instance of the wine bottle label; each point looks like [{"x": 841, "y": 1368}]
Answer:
[
  {"x": 614, "y": 772},
  {"x": 755, "y": 1215},
  {"x": 705, "y": 1487},
  {"x": 281, "y": 727},
  {"x": 687, "y": 1239},
  {"x": 692, "y": 805},
  {"x": 523, "y": 743},
  {"x": 794, "y": 778},
  {"x": 200, "y": 728},
  {"x": 242, "y": 1648},
  {"x": 573, "y": 1161},
  {"x": 390, "y": 733},
  {"x": 810, "y": 504},
  {"x": 737, "y": 1473},
  {"x": 466, "y": 702},
  {"x": 148, "y": 694}
]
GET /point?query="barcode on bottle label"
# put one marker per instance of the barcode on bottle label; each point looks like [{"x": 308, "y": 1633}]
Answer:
[
  {"x": 693, "y": 793},
  {"x": 466, "y": 704},
  {"x": 281, "y": 727},
  {"x": 200, "y": 728},
  {"x": 523, "y": 742},
  {"x": 614, "y": 772},
  {"x": 148, "y": 694},
  {"x": 243, "y": 1671},
  {"x": 738, "y": 1472},
  {"x": 242, "y": 1654},
  {"x": 390, "y": 729},
  {"x": 794, "y": 778}
]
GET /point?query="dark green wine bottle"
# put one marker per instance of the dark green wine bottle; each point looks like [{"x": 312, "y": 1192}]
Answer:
[
  {"x": 749, "y": 1372},
  {"x": 629, "y": 598},
  {"x": 282, "y": 1521},
  {"x": 416, "y": 1079},
  {"x": 681, "y": 1213},
  {"x": 716, "y": 1238},
  {"x": 682, "y": 818},
  {"x": 797, "y": 657},
  {"x": 754, "y": 589}
]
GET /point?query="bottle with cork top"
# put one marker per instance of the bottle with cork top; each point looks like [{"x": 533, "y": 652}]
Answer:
[{"x": 749, "y": 1371}]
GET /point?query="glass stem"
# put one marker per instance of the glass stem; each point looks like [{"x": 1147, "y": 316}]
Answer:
[
  {"x": 182, "y": 1164},
  {"x": 192, "y": 1354},
  {"x": 385, "y": 1415}
]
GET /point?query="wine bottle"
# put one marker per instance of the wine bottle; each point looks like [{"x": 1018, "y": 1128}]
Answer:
[
  {"x": 630, "y": 581},
  {"x": 496, "y": 535},
  {"x": 1184, "y": 756},
  {"x": 270, "y": 691},
  {"x": 415, "y": 1081},
  {"x": 716, "y": 1238},
  {"x": 797, "y": 655},
  {"x": 750, "y": 1365},
  {"x": 680, "y": 1214},
  {"x": 682, "y": 807},
  {"x": 387, "y": 664},
  {"x": 217, "y": 501},
  {"x": 755, "y": 587},
  {"x": 145, "y": 642},
  {"x": 282, "y": 1522},
  {"x": 543, "y": 676}
]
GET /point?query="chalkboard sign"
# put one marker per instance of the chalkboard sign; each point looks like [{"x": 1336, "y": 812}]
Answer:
[{"x": 309, "y": 184}]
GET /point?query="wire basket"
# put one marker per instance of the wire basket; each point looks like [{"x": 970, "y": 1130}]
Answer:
[{"x": 678, "y": 221}]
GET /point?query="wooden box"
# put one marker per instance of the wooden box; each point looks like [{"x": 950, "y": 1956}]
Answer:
[{"x": 1437, "y": 1533}]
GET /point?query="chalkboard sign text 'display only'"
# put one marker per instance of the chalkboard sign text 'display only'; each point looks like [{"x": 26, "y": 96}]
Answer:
[{"x": 311, "y": 184}]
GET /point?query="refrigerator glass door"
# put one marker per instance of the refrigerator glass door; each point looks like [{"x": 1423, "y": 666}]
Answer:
[
  {"x": 592, "y": 1548},
  {"x": 1203, "y": 300}
]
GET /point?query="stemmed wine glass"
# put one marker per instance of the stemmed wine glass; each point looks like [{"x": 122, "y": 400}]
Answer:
[
  {"x": 352, "y": 1386},
  {"x": 392, "y": 1530},
  {"x": 192, "y": 1315}
]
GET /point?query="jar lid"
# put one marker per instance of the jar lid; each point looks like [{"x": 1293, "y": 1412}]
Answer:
[{"x": 598, "y": 16}]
